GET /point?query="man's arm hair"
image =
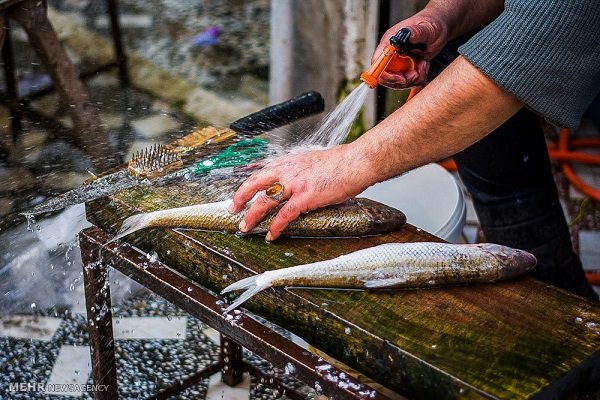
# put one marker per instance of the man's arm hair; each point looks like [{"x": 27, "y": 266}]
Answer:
[
  {"x": 458, "y": 108},
  {"x": 462, "y": 16}
]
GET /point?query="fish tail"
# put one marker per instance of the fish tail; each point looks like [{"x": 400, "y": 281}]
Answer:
[
  {"x": 131, "y": 224},
  {"x": 252, "y": 284}
]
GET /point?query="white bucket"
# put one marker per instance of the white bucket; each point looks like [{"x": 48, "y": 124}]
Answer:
[{"x": 429, "y": 197}]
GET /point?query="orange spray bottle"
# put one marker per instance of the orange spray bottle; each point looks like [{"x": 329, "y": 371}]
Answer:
[{"x": 394, "y": 58}]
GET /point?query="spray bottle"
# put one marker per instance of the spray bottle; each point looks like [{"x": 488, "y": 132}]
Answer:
[{"x": 394, "y": 58}]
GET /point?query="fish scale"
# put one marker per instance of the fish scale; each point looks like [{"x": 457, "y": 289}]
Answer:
[
  {"x": 397, "y": 265},
  {"x": 355, "y": 217}
]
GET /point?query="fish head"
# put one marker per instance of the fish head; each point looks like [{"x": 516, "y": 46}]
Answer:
[{"x": 514, "y": 262}]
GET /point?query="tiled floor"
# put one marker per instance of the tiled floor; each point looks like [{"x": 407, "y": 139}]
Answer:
[{"x": 156, "y": 345}]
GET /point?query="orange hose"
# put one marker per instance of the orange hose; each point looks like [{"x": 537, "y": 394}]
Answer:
[
  {"x": 449, "y": 164},
  {"x": 560, "y": 152},
  {"x": 593, "y": 277},
  {"x": 566, "y": 156}
]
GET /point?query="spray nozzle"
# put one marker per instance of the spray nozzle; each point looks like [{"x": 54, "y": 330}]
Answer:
[{"x": 393, "y": 58}]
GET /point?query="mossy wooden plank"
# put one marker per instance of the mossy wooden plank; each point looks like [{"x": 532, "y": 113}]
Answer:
[{"x": 516, "y": 339}]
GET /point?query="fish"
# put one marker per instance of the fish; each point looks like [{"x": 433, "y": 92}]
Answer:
[
  {"x": 397, "y": 265},
  {"x": 355, "y": 217}
]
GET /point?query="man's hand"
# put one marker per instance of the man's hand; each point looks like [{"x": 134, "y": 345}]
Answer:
[
  {"x": 425, "y": 28},
  {"x": 438, "y": 22},
  {"x": 311, "y": 179}
]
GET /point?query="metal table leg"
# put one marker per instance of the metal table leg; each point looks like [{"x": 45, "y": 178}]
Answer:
[
  {"x": 232, "y": 369},
  {"x": 242, "y": 330},
  {"x": 120, "y": 58},
  {"x": 99, "y": 314},
  {"x": 12, "y": 93}
]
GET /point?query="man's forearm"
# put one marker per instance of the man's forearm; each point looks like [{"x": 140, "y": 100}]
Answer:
[
  {"x": 462, "y": 16},
  {"x": 454, "y": 111}
]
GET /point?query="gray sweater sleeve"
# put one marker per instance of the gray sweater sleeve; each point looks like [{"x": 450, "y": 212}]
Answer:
[{"x": 545, "y": 52}]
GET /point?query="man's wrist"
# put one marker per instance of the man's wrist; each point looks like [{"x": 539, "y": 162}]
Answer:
[{"x": 366, "y": 162}]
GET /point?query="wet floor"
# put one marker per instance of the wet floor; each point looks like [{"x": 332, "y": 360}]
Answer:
[{"x": 43, "y": 335}]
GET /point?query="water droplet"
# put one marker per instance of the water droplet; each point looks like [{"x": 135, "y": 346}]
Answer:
[
  {"x": 290, "y": 369},
  {"x": 288, "y": 254},
  {"x": 152, "y": 256},
  {"x": 578, "y": 320},
  {"x": 318, "y": 388}
]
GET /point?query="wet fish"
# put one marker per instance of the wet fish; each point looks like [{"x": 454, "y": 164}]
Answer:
[
  {"x": 355, "y": 217},
  {"x": 397, "y": 265}
]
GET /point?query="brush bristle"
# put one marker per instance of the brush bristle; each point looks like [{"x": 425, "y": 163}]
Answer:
[
  {"x": 156, "y": 161},
  {"x": 154, "y": 158}
]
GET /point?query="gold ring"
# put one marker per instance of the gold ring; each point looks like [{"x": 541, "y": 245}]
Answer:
[{"x": 275, "y": 191}]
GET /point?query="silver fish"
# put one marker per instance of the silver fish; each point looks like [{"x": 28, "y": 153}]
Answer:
[
  {"x": 355, "y": 217},
  {"x": 397, "y": 265}
]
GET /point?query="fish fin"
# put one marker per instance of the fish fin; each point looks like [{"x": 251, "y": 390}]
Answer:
[
  {"x": 382, "y": 283},
  {"x": 130, "y": 225},
  {"x": 252, "y": 287}
]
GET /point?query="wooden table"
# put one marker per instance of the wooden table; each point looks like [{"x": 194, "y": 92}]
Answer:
[{"x": 517, "y": 339}]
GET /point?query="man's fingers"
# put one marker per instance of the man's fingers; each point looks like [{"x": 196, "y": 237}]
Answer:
[
  {"x": 288, "y": 212},
  {"x": 393, "y": 79},
  {"x": 257, "y": 181},
  {"x": 422, "y": 68},
  {"x": 257, "y": 212},
  {"x": 422, "y": 32}
]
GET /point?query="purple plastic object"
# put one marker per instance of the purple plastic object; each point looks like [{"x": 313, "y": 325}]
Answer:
[{"x": 208, "y": 37}]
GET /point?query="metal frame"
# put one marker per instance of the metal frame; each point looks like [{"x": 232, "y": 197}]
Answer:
[
  {"x": 20, "y": 105},
  {"x": 98, "y": 254}
]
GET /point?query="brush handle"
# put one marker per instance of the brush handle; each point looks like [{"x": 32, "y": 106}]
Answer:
[{"x": 304, "y": 105}]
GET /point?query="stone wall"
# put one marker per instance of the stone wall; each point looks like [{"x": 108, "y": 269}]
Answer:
[
  {"x": 323, "y": 45},
  {"x": 319, "y": 45}
]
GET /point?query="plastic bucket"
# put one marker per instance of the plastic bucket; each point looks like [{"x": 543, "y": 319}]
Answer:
[{"x": 429, "y": 196}]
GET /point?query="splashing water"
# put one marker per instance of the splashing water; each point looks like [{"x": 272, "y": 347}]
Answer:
[{"x": 336, "y": 125}]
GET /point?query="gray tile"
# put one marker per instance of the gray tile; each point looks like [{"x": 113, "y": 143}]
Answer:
[
  {"x": 154, "y": 126},
  {"x": 126, "y": 21},
  {"x": 149, "y": 327},
  {"x": 29, "y": 327},
  {"x": 73, "y": 366},
  {"x": 217, "y": 390},
  {"x": 213, "y": 335}
]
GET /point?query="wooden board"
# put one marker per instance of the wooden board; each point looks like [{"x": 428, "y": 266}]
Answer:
[{"x": 516, "y": 339}]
